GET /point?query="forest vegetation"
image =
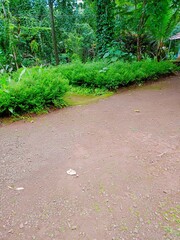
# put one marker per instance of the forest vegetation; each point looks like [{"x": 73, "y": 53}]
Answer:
[{"x": 100, "y": 44}]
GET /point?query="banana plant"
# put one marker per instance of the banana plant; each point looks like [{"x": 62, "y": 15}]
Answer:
[{"x": 162, "y": 20}]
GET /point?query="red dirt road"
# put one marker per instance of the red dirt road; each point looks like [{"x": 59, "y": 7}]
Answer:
[{"x": 126, "y": 152}]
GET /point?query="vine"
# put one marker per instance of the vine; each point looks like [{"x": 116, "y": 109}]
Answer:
[{"x": 105, "y": 24}]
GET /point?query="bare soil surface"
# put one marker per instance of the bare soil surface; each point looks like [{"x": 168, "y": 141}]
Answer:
[{"x": 126, "y": 152}]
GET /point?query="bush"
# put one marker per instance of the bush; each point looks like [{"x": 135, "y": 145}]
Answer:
[
  {"x": 114, "y": 75},
  {"x": 80, "y": 74},
  {"x": 32, "y": 91}
]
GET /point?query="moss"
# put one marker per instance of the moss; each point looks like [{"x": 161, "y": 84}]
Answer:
[{"x": 74, "y": 99}]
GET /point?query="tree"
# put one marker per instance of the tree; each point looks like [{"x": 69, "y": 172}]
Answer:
[
  {"x": 34, "y": 32},
  {"x": 105, "y": 24},
  {"x": 163, "y": 17},
  {"x": 133, "y": 16},
  {"x": 50, "y": 2},
  {"x": 10, "y": 33}
]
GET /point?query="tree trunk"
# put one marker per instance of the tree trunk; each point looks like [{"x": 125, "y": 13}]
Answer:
[
  {"x": 159, "y": 53},
  {"x": 15, "y": 58},
  {"x": 54, "y": 41},
  {"x": 141, "y": 25},
  {"x": 139, "y": 56}
]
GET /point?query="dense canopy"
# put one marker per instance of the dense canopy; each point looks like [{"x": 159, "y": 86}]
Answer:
[{"x": 34, "y": 32}]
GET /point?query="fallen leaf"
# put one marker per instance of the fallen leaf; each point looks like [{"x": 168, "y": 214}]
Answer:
[
  {"x": 19, "y": 188},
  {"x": 71, "y": 172}
]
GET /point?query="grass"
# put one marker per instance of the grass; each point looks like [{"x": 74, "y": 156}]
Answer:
[
  {"x": 83, "y": 96},
  {"x": 88, "y": 91},
  {"x": 76, "y": 96},
  {"x": 172, "y": 221},
  {"x": 96, "y": 207}
]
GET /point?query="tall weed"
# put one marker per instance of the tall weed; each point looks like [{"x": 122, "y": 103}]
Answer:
[{"x": 34, "y": 91}]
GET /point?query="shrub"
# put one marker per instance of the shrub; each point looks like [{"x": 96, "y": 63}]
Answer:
[
  {"x": 80, "y": 74},
  {"x": 34, "y": 91},
  {"x": 114, "y": 75},
  {"x": 31, "y": 90}
]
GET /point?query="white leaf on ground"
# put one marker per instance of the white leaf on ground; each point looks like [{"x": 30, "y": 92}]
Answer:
[
  {"x": 19, "y": 188},
  {"x": 71, "y": 172}
]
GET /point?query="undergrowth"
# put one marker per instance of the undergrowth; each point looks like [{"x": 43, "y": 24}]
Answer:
[
  {"x": 31, "y": 92},
  {"x": 88, "y": 91},
  {"x": 115, "y": 75},
  {"x": 35, "y": 89}
]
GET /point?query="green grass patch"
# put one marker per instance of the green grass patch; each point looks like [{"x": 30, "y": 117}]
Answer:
[
  {"x": 173, "y": 215},
  {"x": 82, "y": 96},
  {"x": 172, "y": 218}
]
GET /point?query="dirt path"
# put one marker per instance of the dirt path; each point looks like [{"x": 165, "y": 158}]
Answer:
[{"x": 126, "y": 152}]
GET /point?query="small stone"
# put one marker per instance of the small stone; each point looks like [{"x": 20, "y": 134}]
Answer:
[
  {"x": 21, "y": 225},
  {"x": 10, "y": 231},
  {"x": 74, "y": 228},
  {"x": 136, "y": 230}
]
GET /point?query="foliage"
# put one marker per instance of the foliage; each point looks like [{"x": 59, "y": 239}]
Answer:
[
  {"x": 88, "y": 91},
  {"x": 145, "y": 26},
  {"x": 80, "y": 42},
  {"x": 114, "y": 75},
  {"x": 87, "y": 30},
  {"x": 161, "y": 22},
  {"x": 31, "y": 90},
  {"x": 80, "y": 74},
  {"x": 116, "y": 52},
  {"x": 34, "y": 89},
  {"x": 25, "y": 26},
  {"x": 105, "y": 24}
]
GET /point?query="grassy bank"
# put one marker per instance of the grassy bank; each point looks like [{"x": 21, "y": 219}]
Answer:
[
  {"x": 35, "y": 89},
  {"x": 115, "y": 75}
]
